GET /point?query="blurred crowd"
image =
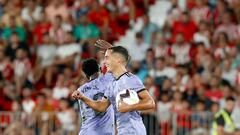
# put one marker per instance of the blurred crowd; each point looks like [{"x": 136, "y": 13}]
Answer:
[
  {"x": 42, "y": 44},
  {"x": 191, "y": 64}
]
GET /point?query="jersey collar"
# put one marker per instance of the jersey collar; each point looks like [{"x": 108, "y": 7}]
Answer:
[{"x": 125, "y": 73}]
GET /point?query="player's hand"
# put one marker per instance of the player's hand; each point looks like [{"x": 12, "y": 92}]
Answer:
[
  {"x": 124, "y": 107},
  {"x": 76, "y": 95},
  {"x": 102, "y": 44}
]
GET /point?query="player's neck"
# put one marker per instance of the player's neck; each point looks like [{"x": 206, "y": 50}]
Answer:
[
  {"x": 94, "y": 76},
  {"x": 119, "y": 71}
]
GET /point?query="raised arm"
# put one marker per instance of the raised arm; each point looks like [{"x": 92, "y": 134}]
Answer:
[
  {"x": 102, "y": 44},
  {"x": 100, "y": 106}
]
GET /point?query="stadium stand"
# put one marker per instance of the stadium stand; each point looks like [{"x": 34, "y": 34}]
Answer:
[{"x": 187, "y": 56}]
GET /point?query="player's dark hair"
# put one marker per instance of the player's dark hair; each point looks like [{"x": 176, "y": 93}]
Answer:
[
  {"x": 121, "y": 50},
  {"x": 90, "y": 67}
]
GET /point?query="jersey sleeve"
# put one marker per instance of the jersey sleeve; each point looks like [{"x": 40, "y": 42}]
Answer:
[{"x": 136, "y": 84}]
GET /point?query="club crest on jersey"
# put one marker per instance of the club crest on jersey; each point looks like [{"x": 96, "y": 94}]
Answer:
[{"x": 86, "y": 89}]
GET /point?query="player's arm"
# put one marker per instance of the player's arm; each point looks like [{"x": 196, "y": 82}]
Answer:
[
  {"x": 146, "y": 102},
  {"x": 102, "y": 44},
  {"x": 100, "y": 106}
]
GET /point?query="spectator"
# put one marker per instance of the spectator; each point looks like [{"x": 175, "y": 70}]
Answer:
[
  {"x": 181, "y": 50},
  {"x": 214, "y": 107},
  {"x": 22, "y": 69},
  {"x": 223, "y": 118},
  {"x": 221, "y": 7},
  {"x": 201, "y": 119},
  {"x": 57, "y": 8},
  {"x": 174, "y": 12},
  {"x": 60, "y": 90},
  {"x": 162, "y": 49},
  {"x": 223, "y": 46},
  {"x": 6, "y": 69},
  {"x": 203, "y": 34},
  {"x": 162, "y": 70},
  {"x": 55, "y": 103},
  {"x": 67, "y": 117},
  {"x": 80, "y": 8},
  {"x": 15, "y": 44},
  {"x": 45, "y": 57},
  {"x": 136, "y": 69},
  {"x": 151, "y": 87},
  {"x": 234, "y": 4},
  {"x": 229, "y": 74},
  {"x": 158, "y": 69},
  {"x": 166, "y": 87},
  {"x": 8, "y": 31},
  {"x": 42, "y": 26},
  {"x": 236, "y": 112},
  {"x": 138, "y": 46},
  {"x": 2, "y": 8},
  {"x": 200, "y": 58},
  {"x": 116, "y": 28},
  {"x": 214, "y": 93},
  {"x": 85, "y": 30},
  {"x": 28, "y": 103},
  {"x": 177, "y": 101},
  {"x": 99, "y": 16},
  {"x": 149, "y": 30},
  {"x": 201, "y": 11},
  {"x": 190, "y": 94},
  {"x": 163, "y": 112},
  {"x": 42, "y": 115},
  {"x": 31, "y": 13},
  {"x": 67, "y": 54},
  {"x": 227, "y": 92},
  {"x": 57, "y": 31},
  {"x": 149, "y": 61},
  {"x": 185, "y": 26},
  {"x": 228, "y": 27},
  {"x": 184, "y": 119},
  {"x": 183, "y": 78},
  {"x": 208, "y": 63},
  {"x": 12, "y": 9}
]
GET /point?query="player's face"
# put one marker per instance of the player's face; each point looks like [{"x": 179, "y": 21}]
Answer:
[{"x": 110, "y": 61}]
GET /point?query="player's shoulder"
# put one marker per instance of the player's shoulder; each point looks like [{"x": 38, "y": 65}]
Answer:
[
  {"x": 84, "y": 87},
  {"x": 132, "y": 79},
  {"x": 106, "y": 77},
  {"x": 131, "y": 76},
  {"x": 128, "y": 77}
]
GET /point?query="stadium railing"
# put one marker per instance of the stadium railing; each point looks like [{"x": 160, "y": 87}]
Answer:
[{"x": 47, "y": 123}]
